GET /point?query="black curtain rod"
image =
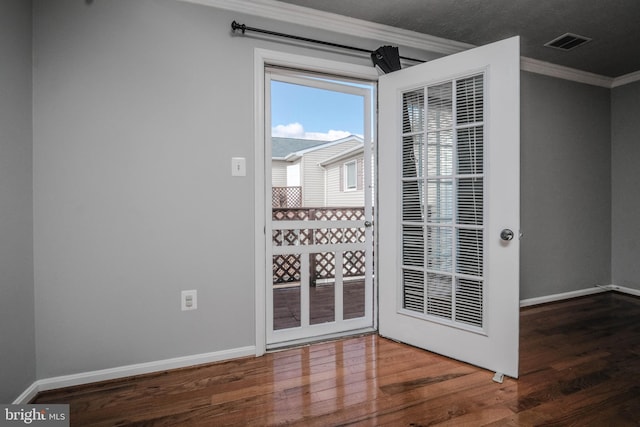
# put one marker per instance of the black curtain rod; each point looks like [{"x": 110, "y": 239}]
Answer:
[{"x": 236, "y": 26}]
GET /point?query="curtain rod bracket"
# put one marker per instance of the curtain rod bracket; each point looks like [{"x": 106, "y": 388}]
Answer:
[
  {"x": 236, "y": 26},
  {"x": 385, "y": 54}
]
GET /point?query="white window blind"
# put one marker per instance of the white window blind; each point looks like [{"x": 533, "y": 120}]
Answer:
[{"x": 443, "y": 201}]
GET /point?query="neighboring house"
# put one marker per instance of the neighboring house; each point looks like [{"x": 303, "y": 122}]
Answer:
[
  {"x": 344, "y": 177},
  {"x": 327, "y": 173}
]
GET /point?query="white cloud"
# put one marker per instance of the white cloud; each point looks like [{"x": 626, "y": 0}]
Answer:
[
  {"x": 332, "y": 135},
  {"x": 296, "y": 130},
  {"x": 292, "y": 130}
]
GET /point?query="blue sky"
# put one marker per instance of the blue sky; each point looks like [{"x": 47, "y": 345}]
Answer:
[{"x": 304, "y": 112}]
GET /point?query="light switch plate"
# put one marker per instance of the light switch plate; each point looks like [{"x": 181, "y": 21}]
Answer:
[
  {"x": 189, "y": 300},
  {"x": 238, "y": 166}
]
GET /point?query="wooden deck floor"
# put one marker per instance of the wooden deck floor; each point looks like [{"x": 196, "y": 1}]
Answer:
[
  {"x": 286, "y": 303},
  {"x": 580, "y": 366}
]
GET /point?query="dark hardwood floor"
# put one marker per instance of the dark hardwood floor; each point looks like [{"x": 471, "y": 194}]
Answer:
[{"x": 579, "y": 366}]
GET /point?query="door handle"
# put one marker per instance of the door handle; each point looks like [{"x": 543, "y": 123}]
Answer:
[
  {"x": 368, "y": 224},
  {"x": 506, "y": 234}
]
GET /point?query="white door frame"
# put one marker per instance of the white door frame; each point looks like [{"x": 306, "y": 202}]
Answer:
[{"x": 264, "y": 57}]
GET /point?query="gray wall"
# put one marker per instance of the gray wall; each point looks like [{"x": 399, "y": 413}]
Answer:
[
  {"x": 136, "y": 119},
  {"x": 139, "y": 108},
  {"x": 17, "y": 343},
  {"x": 565, "y": 186},
  {"x": 625, "y": 148}
]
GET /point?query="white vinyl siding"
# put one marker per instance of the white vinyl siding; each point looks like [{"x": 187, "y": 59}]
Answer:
[
  {"x": 313, "y": 175},
  {"x": 279, "y": 173},
  {"x": 336, "y": 196}
]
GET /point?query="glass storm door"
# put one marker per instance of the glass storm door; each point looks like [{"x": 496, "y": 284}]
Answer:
[
  {"x": 320, "y": 222},
  {"x": 448, "y": 200}
]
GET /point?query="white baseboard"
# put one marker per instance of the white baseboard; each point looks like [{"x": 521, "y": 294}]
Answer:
[
  {"x": 27, "y": 395},
  {"x": 579, "y": 293},
  {"x": 562, "y": 296},
  {"x": 625, "y": 290},
  {"x": 131, "y": 370}
]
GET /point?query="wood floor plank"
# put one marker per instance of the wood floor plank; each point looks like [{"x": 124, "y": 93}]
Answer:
[{"x": 580, "y": 365}]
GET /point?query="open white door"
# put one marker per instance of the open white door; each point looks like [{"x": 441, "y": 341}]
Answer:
[{"x": 449, "y": 196}]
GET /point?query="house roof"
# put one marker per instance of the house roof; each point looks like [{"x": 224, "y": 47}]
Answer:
[
  {"x": 282, "y": 147},
  {"x": 292, "y": 148}
]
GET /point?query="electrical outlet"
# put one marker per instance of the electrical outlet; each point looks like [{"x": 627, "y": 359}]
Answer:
[{"x": 189, "y": 300}]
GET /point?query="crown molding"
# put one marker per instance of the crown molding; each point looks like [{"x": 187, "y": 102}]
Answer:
[
  {"x": 312, "y": 18},
  {"x": 562, "y": 72},
  {"x": 286, "y": 12},
  {"x": 626, "y": 79},
  {"x": 566, "y": 73}
]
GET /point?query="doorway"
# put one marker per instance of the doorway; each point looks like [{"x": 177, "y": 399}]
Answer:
[
  {"x": 480, "y": 324},
  {"x": 319, "y": 169}
]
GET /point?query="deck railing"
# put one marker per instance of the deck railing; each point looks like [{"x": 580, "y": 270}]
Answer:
[
  {"x": 287, "y": 267},
  {"x": 286, "y": 197}
]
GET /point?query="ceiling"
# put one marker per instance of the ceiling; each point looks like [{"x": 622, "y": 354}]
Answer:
[{"x": 614, "y": 26}]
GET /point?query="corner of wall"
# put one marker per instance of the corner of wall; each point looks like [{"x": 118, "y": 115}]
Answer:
[{"x": 17, "y": 317}]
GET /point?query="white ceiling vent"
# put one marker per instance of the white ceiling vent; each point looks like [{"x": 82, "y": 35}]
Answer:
[{"x": 567, "y": 41}]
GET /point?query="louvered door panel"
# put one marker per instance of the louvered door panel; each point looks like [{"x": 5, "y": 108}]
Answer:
[{"x": 443, "y": 201}]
